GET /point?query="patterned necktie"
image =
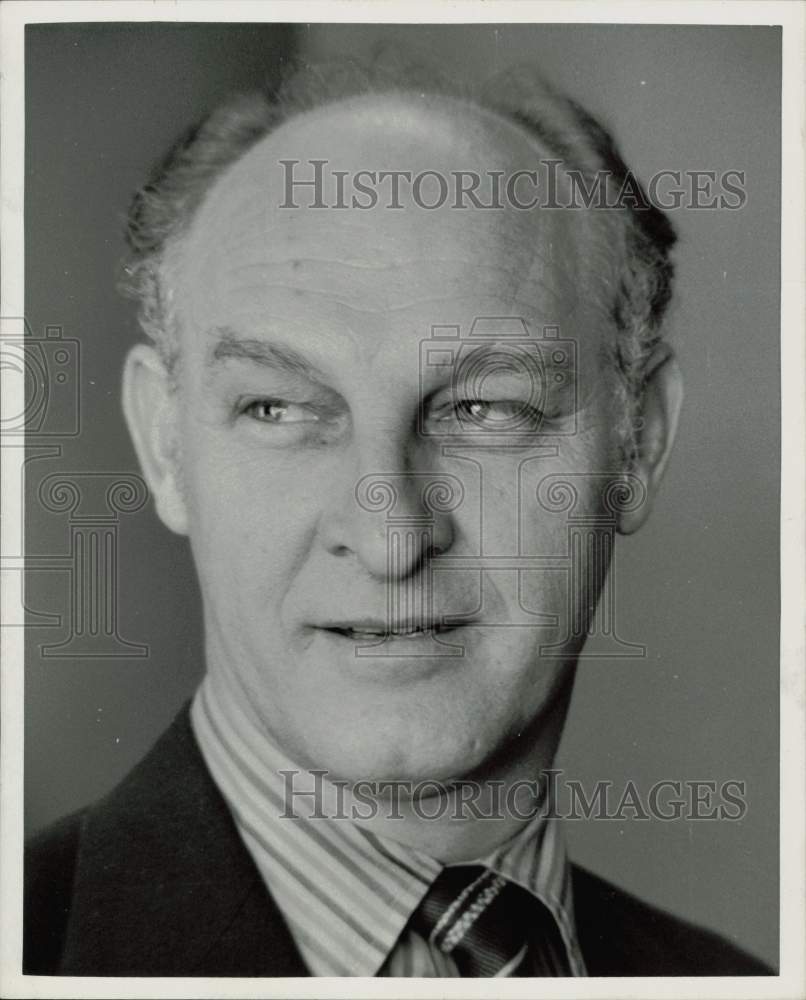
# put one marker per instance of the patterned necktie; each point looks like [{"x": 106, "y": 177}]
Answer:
[{"x": 489, "y": 926}]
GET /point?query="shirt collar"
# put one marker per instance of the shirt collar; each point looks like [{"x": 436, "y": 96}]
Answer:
[{"x": 347, "y": 894}]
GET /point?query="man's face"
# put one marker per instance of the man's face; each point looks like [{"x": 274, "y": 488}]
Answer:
[{"x": 301, "y": 374}]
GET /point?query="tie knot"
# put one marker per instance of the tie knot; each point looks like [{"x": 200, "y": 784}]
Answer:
[{"x": 489, "y": 926}]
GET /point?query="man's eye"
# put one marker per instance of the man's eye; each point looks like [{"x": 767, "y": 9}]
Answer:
[
  {"x": 279, "y": 411},
  {"x": 479, "y": 410},
  {"x": 501, "y": 414}
]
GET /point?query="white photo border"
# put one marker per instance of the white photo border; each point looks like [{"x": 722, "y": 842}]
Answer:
[{"x": 791, "y": 982}]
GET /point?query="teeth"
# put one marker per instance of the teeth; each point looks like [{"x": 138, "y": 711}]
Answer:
[{"x": 409, "y": 633}]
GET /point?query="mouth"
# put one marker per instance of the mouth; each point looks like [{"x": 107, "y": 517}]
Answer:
[{"x": 375, "y": 630}]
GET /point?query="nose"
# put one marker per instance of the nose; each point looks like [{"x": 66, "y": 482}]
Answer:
[{"x": 392, "y": 517}]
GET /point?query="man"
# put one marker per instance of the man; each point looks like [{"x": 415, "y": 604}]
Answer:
[{"x": 385, "y": 339}]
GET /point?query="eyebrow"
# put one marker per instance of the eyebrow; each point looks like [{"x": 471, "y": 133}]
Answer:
[{"x": 230, "y": 346}]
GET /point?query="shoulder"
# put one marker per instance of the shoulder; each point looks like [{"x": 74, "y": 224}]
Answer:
[
  {"x": 94, "y": 844},
  {"x": 49, "y": 872},
  {"x": 154, "y": 879},
  {"x": 620, "y": 935}
]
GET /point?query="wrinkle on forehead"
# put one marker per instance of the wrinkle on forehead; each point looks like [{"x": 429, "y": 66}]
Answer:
[{"x": 242, "y": 242}]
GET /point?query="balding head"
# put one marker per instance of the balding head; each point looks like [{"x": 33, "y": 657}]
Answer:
[
  {"x": 407, "y": 116},
  {"x": 438, "y": 262}
]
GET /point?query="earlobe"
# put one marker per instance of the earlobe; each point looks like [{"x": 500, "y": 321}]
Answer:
[
  {"x": 661, "y": 403},
  {"x": 149, "y": 406}
]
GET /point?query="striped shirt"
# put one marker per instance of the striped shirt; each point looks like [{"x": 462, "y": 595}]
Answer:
[{"x": 347, "y": 894}]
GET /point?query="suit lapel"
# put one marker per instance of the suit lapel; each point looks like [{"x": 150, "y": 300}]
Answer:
[{"x": 164, "y": 885}]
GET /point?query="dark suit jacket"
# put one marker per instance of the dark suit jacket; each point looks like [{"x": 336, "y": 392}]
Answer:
[{"x": 155, "y": 881}]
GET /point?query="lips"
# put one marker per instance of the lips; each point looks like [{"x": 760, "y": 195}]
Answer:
[{"x": 373, "y": 630}]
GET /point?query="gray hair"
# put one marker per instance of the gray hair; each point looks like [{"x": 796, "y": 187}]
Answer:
[{"x": 640, "y": 236}]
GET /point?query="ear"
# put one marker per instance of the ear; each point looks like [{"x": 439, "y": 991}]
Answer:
[
  {"x": 149, "y": 405},
  {"x": 660, "y": 405}
]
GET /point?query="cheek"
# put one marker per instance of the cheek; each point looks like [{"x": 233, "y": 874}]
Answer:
[{"x": 252, "y": 513}]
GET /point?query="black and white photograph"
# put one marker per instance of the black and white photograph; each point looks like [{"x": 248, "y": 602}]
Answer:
[{"x": 400, "y": 575}]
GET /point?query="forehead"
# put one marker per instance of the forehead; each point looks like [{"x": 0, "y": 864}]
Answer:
[{"x": 249, "y": 260}]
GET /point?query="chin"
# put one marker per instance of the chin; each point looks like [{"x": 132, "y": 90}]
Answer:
[
  {"x": 456, "y": 742},
  {"x": 404, "y": 752}
]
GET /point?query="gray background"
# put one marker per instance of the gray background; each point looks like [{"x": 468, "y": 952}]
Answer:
[{"x": 698, "y": 585}]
